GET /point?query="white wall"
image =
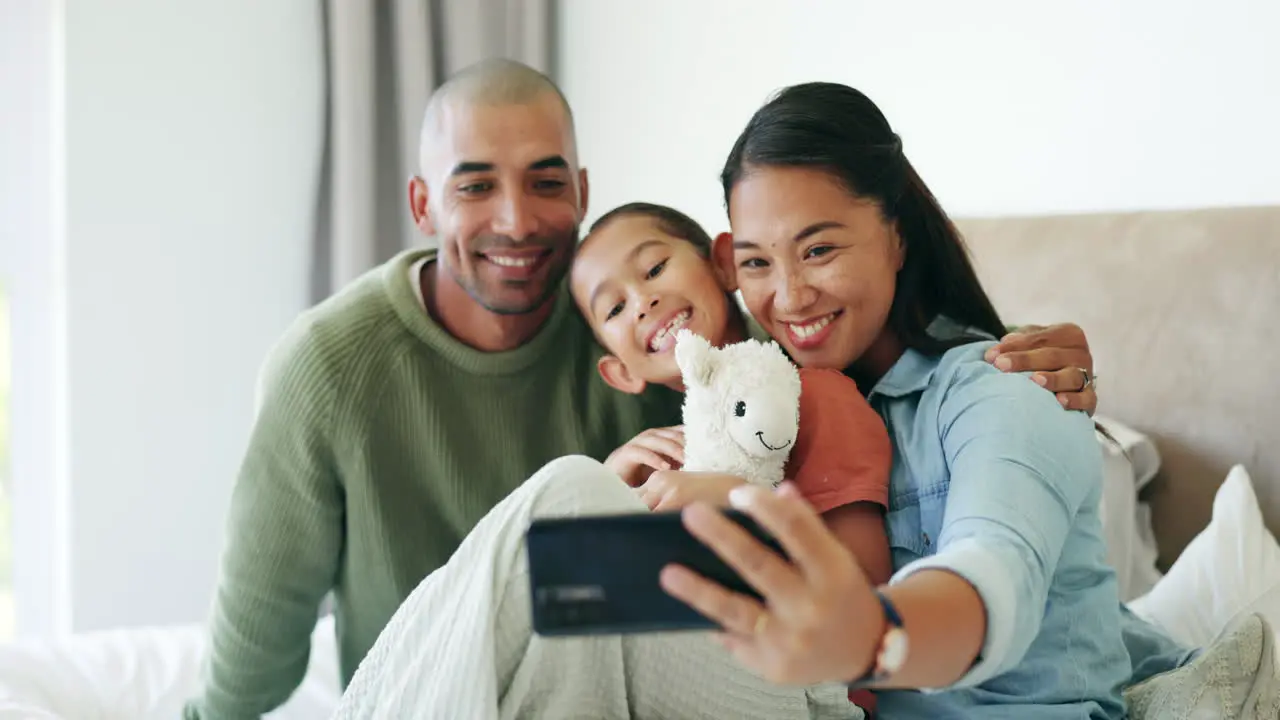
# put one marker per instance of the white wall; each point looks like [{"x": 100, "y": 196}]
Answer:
[
  {"x": 192, "y": 147},
  {"x": 1005, "y": 107}
]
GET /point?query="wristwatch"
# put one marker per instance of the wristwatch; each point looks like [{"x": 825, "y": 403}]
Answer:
[{"x": 891, "y": 654}]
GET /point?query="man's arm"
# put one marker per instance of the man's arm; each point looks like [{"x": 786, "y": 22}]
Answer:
[
  {"x": 1058, "y": 355},
  {"x": 284, "y": 538}
]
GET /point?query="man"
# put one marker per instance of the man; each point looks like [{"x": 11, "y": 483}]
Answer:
[{"x": 395, "y": 414}]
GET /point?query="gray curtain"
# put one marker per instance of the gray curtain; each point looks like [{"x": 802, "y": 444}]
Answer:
[{"x": 383, "y": 58}]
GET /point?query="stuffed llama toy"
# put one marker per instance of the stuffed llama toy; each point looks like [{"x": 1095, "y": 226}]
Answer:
[{"x": 741, "y": 407}]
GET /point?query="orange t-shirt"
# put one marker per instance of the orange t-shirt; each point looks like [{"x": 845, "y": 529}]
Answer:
[{"x": 842, "y": 453}]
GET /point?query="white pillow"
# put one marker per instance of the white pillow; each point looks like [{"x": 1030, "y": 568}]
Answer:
[
  {"x": 144, "y": 673},
  {"x": 1126, "y": 521},
  {"x": 1140, "y": 448},
  {"x": 1231, "y": 568},
  {"x": 1126, "y": 525}
]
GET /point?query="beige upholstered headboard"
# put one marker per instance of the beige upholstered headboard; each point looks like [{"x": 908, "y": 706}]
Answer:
[{"x": 1182, "y": 311}]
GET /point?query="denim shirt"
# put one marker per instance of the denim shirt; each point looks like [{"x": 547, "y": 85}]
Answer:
[{"x": 993, "y": 480}]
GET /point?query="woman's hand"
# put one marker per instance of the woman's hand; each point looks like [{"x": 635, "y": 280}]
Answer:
[
  {"x": 672, "y": 490},
  {"x": 820, "y": 620},
  {"x": 655, "y": 449},
  {"x": 1059, "y": 357}
]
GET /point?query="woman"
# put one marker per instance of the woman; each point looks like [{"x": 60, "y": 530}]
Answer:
[{"x": 1001, "y": 601}]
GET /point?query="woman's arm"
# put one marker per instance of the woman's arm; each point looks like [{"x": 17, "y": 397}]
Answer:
[
  {"x": 1020, "y": 466},
  {"x": 947, "y": 622}
]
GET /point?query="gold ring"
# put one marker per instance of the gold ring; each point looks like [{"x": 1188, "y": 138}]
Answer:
[{"x": 761, "y": 621}]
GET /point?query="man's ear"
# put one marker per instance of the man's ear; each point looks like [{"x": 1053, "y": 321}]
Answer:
[
  {"x": 722, "y": 260},
  {"x": 584, "y": 193},
  {"x": 618, "y": 376},
  {"x": 419, "y": 207}
]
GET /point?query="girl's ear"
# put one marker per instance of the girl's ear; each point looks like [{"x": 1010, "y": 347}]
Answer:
[
  {"x": 722, "y": 259},
  {"x": 618, "y": 376}
]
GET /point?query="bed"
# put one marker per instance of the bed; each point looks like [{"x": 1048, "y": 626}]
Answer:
[{"x": 1177, "y": 307}]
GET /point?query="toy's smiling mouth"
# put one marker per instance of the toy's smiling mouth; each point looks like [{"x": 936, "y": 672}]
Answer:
[{"x": 760, "y": 437}]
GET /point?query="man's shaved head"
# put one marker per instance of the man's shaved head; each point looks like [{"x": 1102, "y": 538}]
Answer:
[{"x": 489, "y": 83}]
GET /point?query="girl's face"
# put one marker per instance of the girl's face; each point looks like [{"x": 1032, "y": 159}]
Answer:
[
  {"x": 638, "y": 285},
  {"x": 817, "y": 266}
]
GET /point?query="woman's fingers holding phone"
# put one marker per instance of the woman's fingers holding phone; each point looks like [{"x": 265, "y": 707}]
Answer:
[
  {"x": 816, "y": 621},
  {"x": 735, "y": 613},
  {"x": 793, "y": 523},
  {"x": 765, "y": 570}
]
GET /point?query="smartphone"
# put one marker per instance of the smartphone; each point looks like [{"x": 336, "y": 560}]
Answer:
[{"x": 598, "y": 574}]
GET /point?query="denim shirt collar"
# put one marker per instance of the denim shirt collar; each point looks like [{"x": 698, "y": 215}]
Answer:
[{"x": 914, "y": 370}]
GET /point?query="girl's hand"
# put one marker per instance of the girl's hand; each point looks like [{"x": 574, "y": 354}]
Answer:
[
  {"x": 655, "y": 449},
  {"x": 820, "y": 620},
  {"x": 673, "y": 490}
]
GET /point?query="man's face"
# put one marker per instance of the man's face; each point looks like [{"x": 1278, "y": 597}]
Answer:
[{"x": 504, "y": 198}]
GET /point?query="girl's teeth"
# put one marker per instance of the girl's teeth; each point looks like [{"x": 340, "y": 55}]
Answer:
[{"x": 676, "y": 323}]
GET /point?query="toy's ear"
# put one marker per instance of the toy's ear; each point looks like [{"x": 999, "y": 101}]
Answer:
[
  {"x": 618, "y": 376},
  {"x": 695, "y": 357}
]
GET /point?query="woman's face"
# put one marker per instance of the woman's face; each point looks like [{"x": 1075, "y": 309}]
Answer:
[{"x": 817, "y": 266}]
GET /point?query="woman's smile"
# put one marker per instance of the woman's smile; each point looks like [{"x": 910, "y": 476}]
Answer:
[{"x": 810, "y": 334}]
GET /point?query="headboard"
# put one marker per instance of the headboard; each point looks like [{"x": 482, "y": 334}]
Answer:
[{"x": 1182, "y": 312}]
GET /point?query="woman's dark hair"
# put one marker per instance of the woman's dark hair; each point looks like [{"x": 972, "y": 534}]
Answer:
[
  {"x": 669, "y": 220},
  {"x": 839, "y": 130}
]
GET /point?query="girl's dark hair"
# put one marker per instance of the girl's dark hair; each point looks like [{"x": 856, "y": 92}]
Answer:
[
  {"x": 669, "y": 220},
  {"x": 839, "y": 130}
]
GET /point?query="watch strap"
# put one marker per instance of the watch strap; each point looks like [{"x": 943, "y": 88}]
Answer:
[{"x": 891, "y": 652}]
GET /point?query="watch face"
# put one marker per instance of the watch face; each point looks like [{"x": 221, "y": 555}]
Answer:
[{"x": 893, "y": 652}]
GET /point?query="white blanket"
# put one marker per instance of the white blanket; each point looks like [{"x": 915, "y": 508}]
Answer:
[
  {"x": 462, "y": 646},
  {"x": 138, "y": 674}
]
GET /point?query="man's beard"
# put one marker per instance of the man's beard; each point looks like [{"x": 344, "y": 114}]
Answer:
[{"x": 489, "y": 294}]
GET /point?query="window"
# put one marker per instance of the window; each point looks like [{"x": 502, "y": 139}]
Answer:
[
  {"x": 6, "y": 514},
  {"x": 33, "y": 601}
]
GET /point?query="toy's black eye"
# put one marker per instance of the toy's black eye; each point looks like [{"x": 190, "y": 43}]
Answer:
[{"x": 740, "y": 409}]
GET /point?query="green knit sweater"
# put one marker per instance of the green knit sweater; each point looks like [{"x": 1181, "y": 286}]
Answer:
[{"x": 380, "y": 442}]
